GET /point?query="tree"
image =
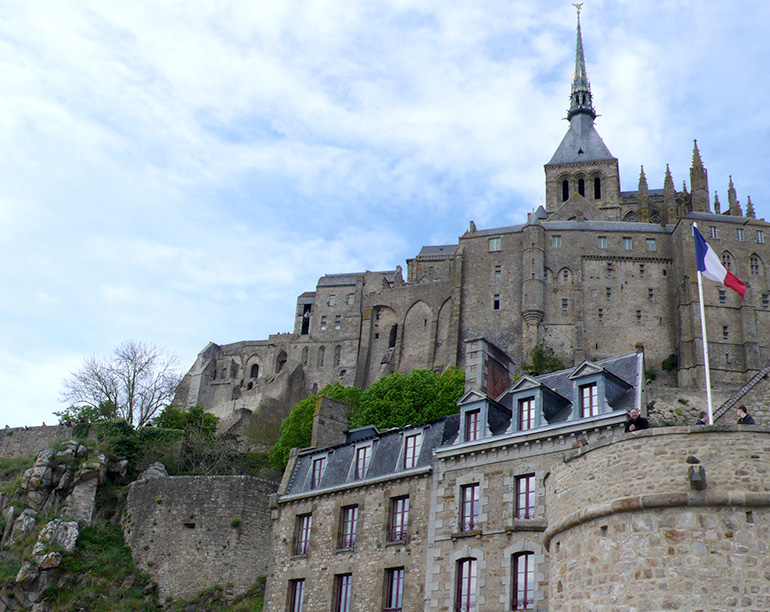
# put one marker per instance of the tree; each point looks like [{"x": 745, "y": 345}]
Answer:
[
  {"x": 138, "y": 379},
  {"x": 544, "y": 360}
]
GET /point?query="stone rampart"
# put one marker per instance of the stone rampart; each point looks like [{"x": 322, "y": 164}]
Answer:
[
  {"x": 627, "y": 530},
  {"x": 21, "y": 442},
  {"x": 193, "y": 532}
]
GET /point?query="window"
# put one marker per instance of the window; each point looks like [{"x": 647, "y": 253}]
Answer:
[
  {"x": 526, "y": 413},
  {"x": 469, "y": 507},
  {"x": 765, "y": 300},
  {"x": 523, "y": 591},
  {"x": 740, "y": 234},
  {"x": 651, "y": 295},
  {"x": 465, "y": 596},
  {"x": 609, "y": 269},
  {"x": 305, "y": 353},
  {"x": 412, "y": 445},
  {"x": 302, "y": 534},
  {"x": 296, "y": 595},
  {"x": 650, "y": 244},
  {"x": 337, "y": 355},
  {"x": 566, "y": 275},
  {"x": 628, "y": 243},
  {"x": 496, "y": 302},
  {"x": 722, "y": 296},
  {"x": 556, "y": 242},
  {"x": 609, "y": 294},
  {"x": 332, "y": 299},
  {"x": 495, "y": 244},
  {"x": 641, "y": 270},
  {"x": 342, "y": 585},
  {"x": 638, "y": 317},
  {"x": 321, "y": 355},
  {"x": 600, "y": 316},
  {"x": 713, "y": 232},
  {"x": 363, "y": 454},
  {"x": 472, "y": 425},
  {"x": 351, "y": 298},
  {"x": 725, "y": 332},
  {"x": 564, "y": 305},
  {"x": 399, "y": 519},
  {"x": 754, "y": 264},
  {"x": 348, "y": 524},
  {"x": 323, "y": 323},
  {"x": 597, "y": 189},
  {"x": 498, "y": 272},
  {"x": 394, "y": 594},
  {"x": 280, "y": 361},
  {"x": 255, "y": 370},
  {"x": 431, "y": 273},
  {"x": 319, "y": 467},
  {"x": 727, "y": 261},
  {"x": 602, "y": 242},
  {"x": 564, "y": 190},
  {"x": 337, "y": 321},
  {"x": 525, "y": 496},
  {"x": 582, "y": 187},
  {"x": 589, "y": 400},
  {"x": 760, "y": 237}
]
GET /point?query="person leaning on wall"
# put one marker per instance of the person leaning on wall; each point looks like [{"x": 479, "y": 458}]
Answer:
[{"x": 744, "y": 418}]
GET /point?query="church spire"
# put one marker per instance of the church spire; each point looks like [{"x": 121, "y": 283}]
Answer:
[{"x": 580, "y": 98}]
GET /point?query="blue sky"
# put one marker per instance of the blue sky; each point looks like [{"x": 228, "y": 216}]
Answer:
[{"x": 179, "y": 172}]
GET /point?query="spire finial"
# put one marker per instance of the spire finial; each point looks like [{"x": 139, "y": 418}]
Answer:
[{"x": 580, "y": 98}]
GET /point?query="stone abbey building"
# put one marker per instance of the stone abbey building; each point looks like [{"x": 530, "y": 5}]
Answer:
[{"x": 593, "y": 272}]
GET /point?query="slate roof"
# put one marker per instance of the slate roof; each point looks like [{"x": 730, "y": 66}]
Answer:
[
  {"x": 439, "y": 249},
  {"x": 581, "y": 143}
]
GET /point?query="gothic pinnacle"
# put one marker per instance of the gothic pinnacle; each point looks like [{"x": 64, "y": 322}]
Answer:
[{"x": 580, "y": 98}]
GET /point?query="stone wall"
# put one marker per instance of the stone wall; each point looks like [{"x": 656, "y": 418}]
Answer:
[
  {"x": 367, "y": 561},
  {"x": 20, "y": 442},
  {"x": 636, "y": 536},
  {"x": 192, "y": 532}
]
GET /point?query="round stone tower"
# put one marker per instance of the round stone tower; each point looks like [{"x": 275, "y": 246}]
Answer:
[{"x": 666, "y": 519}]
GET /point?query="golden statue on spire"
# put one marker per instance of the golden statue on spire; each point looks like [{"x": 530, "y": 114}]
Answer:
[{"x": 578, "y": 7}]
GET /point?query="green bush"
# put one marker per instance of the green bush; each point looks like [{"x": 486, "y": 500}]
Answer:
[{"x": 670, "y": 363}]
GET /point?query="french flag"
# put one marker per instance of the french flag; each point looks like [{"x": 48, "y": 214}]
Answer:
[{"x": 710, "y": 266}]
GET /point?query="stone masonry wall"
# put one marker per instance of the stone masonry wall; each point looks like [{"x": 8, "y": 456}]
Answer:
[
  {"x": 367, "y": 561},
  {"x": 634, "y": 535},
  {"x": 20, "y": 442},
  {"x": 193, "y": 532}
]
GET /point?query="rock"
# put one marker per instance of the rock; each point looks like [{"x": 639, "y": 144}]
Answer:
[
  {"x": 156, "y": 470},
  {"x": 23, "y": 525},
  {"x": 8, "y": 518},
  {"x": 48, "y": 560},
  {"x": 59, "y": 533},
  {"x": 28, "y": 573},
  {"x": 128, "y": 582}
]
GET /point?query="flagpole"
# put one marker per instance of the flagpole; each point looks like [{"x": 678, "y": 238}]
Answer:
[{"x": 705, "y": 343}]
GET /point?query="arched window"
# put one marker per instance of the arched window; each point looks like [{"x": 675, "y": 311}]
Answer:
[
  {"x": 465, "y": 595},
  {"x": 392, "y": 337},
  {"x": 597, "y": 188},
  {"x": 305, "y": 352},
  {"x": 582, "y": 187},
  {"x": 321, "y": 351},
  {"x": 754, "y": 264},
  {"x": 727, "y": 261},
  {"x": 280, "y": 361},
  {"x": 255, "y": 371},
  {"x": 431, "y": 273},
  {"x": 564, "y": 190},
  {"x": 523, "y": 581},
  {"x": 337, "y": 355}
]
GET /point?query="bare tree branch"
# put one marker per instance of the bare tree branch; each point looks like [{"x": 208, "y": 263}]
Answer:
[{"x": 139, "y": 379}]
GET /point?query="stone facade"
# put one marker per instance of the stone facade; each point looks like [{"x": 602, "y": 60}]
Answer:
[
  {"x": 192, "y": 532},
  {"x": 591, "y": 273},
  {"x": 26, "y": 442}
]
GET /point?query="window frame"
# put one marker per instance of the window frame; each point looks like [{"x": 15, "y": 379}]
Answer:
[
  {"x": 523, "y": 575},
  {"x": 591, "y": 408},
  {"x": 556, "y": 241},
  {"x": 760, "y": 237},
  {"x": 601, "y": 242},
  {"x": 469, "y": 507},
  {"x": 465, "y": 585},
  {"x": 296, "y": 594},
  {"x": 343, "y": 587},
  {"x": 412, "y": 448},
  {"x": 394, "y": 589},
  {"x": 495, "y": 244},
  {"x": 740, "y": 234},
  {"x": 651, "y": 246},
  {"x": 318, "y": 469},
  {"x": 526, "y": 407},
  {"x": 398, "y": 521},
  {"x": 363, "y": 458},
  {"x": 628, "y": 243},
  {"x": 302, "y": 527},
  {"x": 525, "y": 496},
  {"x": 348, "y": 527},
  {"x": 472, "y": 417}
]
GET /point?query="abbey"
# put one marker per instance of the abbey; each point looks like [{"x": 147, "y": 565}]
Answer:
[{"x": 592, "y": 273}]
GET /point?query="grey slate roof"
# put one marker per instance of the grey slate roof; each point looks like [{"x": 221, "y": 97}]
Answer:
[
  {"x": 581, "y": 143},
  {"x": 439, "y": 249},
  {"x": 340, "y": 280}
]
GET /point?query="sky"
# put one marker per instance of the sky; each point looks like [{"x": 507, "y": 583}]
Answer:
[{"x": 179, "y": 172}]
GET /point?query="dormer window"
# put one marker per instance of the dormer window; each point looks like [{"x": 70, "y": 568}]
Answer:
[
  {"x": 472, "y": 418},
  {"x": 319, "y": 467},
  {"x": 526, "y": 413},
  {"x": 412, "y": 445},
  {"x": 589, "y": 400},
  {"x": 363, "y": 456}
]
